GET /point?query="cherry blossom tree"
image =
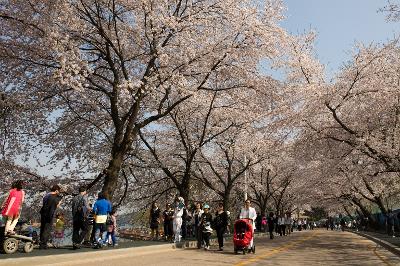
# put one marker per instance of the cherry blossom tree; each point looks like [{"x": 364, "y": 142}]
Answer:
[{"x": 99, "y": 71}]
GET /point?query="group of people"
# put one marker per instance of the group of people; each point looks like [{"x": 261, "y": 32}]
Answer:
[
  {"x": 282, "y": 224},
  {"x": 180, "y": 221},
  {"x": 97, "y": 225},
  {"x": 91, "y": 224}
]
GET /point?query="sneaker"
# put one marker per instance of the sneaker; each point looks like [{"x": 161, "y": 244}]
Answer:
[
  {"x": 207, "y": 248},
  {"x": 221, "y": 249}
]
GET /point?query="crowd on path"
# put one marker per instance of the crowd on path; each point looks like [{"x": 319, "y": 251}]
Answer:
[
  {"x": 181, "y": 221},
  {"x": 94, "y": 225}
]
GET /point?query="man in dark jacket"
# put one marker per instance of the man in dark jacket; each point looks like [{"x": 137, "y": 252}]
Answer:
[
  {"x": 50, "y": 204},
  {"x": 80, "y": 210},
  {"x": 271, "y": 223}
]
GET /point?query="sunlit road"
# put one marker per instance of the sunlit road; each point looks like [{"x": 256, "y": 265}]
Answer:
[{"x": 318, "y": 247}]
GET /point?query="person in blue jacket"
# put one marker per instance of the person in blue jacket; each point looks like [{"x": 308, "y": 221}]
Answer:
[{"x": 102, "y": 207}]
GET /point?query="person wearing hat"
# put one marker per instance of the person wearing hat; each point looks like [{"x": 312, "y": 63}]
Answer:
[{"x": 205, "y": 223}]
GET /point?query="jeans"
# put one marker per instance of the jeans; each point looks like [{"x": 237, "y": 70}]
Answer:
[
  {"x": 99, "y": 230},
  {"x": 79, "y": 230},
  {"x": 199, "y": 236},
  {"x": 220, "y": 235},
  {"x": 45, "y": 231},
  {"x": 112, "y": 234},
  {"x": 168, "y": 231},
  {"x": 206, "y": 238}
]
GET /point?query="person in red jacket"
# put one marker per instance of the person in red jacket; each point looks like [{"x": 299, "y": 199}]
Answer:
[{"x": 11, "y": 208}]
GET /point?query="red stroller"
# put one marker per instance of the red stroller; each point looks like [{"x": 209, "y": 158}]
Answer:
[{"x": 242, "y": 236}]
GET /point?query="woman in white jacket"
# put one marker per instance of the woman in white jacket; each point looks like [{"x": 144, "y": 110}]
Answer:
[{"x": 249, "y": 212}]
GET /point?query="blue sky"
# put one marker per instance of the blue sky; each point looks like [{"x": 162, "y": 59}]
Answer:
[{"x": 339, "y": 24}]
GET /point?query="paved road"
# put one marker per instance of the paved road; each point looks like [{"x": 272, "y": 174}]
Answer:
[{"x": 317, "y": 247}]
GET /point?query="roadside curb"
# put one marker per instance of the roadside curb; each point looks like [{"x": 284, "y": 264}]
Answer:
[{"x": 389, "y": 246}]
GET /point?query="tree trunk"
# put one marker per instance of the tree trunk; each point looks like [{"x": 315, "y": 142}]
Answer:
[
  {"x": 184, "y": 188},
  {"x": 227, "y": 200},
  {"x": 365, "y": 212},
  {"x": 381, "y": 205},
  {"x": 263, "y": 208},
  {"x": 348, "y": 212},
  {"x": 112, "y": 174}
]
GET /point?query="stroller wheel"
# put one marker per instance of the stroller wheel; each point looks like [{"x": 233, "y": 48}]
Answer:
[
  {"x": 244, "y": 251},
  {"x": 253, "y": 249},
  {"x": 10, "y": 245},
  {"x": 235, "y": 250},
  {"x": 28, "y": 247}
]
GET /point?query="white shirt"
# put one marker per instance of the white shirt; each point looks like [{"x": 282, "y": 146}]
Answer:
[
  {"x": 288, "y": 220},
  {"x": 249, "y": 213},
  {"x": 178, "y": 213},
  {"x": 197, "y": 213}
]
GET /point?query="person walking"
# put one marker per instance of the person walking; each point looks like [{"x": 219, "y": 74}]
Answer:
[
  {"x": 220, "y": 223},
  {"x": 186, "y": 217},
  {"x": 271, "y": 225},
  {"x": 264, "y": 223},
  {"x": 50, "y": 204},
  {"x": 154, "y": 220},
  {"x": 205, "y": 224},
  {"x": 189, "y": 221},
  {"x": 248, "y": 212},
  {"x": 80, "y": 211},
  {"x": 12, "y": 206},
  {"x": 276, "y": 226},
  {"x": 168, "y": 216},
  {"x": 102, "y": 207},
  {"x": 177, "y": 222},
  {"x": 281, "y": 224},
  {"x": 288, "y": 223},
  {"x": 197, "y": 228},
  {"x": 342, "y": 224}
]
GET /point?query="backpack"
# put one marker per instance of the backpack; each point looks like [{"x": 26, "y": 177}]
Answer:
[
  {"x": 109, "y": 220},
  {"x": 80, "y": 210},
  {"x": 264, "y": 221}
]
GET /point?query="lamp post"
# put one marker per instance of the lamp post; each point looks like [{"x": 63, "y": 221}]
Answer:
[{"x": 245, "y": 179}]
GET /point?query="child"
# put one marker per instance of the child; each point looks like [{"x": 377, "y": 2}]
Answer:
[
  {"x": 205, "y": 223},
  {"x": 264, "y": 224},
  {"x": 111, "y": 229},
  {"x": 11, "y": 207},
  {"x": 58, "y": 236}
]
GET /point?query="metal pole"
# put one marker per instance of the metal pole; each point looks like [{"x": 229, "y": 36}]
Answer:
[{"x": 245, "y": 179}]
